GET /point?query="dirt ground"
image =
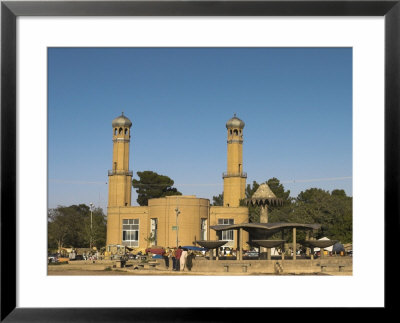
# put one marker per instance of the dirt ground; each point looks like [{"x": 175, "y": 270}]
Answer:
[
  {"x": 100, "y": 270},
  {"x": 64, "y": 270}
]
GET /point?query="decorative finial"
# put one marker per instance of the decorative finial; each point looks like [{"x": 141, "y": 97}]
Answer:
[
  {"x": 122, "y": 112},
  {"x": 234, "y": 114}
]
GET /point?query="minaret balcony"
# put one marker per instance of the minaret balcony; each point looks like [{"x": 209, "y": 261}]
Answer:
[
  {"x": 242, "y": 174},
  {"x": 120, "y": 172}
]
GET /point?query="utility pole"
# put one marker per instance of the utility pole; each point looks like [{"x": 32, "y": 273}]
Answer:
[
  {"x": 177, "y": 228},
  {"x": 91, "y": 223}
]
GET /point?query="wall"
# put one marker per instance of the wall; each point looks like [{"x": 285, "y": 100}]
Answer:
[
  {"x": 189, "y": 220},
  {"x": 119, "y": 191},
  {"x": 115, "y": 215},
  {"x": 234, "y": 190},
  {"x": 331, "y": 265},
  {"x": 238, "y": 214},
  {"x": 192, "y": 210}
]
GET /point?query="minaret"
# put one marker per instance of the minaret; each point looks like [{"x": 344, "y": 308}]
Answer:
[
  {"x": 234, "y": 178},
  {"x": 120, "y": 177}
]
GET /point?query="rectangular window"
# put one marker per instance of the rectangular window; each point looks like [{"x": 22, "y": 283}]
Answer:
[
  {"x": 130, "y": 232},
  {"x": 227, "y": 234},
  {"x": 153, "y": 232},
  {"x": 203, "y": 229}
]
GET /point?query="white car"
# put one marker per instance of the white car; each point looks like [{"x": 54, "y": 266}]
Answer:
[{"x": 52, "y": 258}]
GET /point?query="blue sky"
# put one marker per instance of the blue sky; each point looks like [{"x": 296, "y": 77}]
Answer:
[{"x": 296, "y": 104}]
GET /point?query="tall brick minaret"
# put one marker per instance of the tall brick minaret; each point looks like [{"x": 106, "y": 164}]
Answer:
[
  {"x": 234, "y": 178},
  {"x": 120, "y": 177}
]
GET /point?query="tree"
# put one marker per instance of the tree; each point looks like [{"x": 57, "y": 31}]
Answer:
[
  {"x": 98, "y": 229},
  {"x": 251, "y": 189},
  {"x": 150, "y": 239},
  {"x": 152, "y": 185},
  {"x": 334, "y": 211},
  {"x": 218, "y": 200},
  {"x": 67, "y": 225},
  {"x": 342, "y": 224},
  {"x": 279, "y": 190},
  {"x": 71, "y": 227},
  {"x": 57, "y": 229},
  {"x": 338, "y": 193}
]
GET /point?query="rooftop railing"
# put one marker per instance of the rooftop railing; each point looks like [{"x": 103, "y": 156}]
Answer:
[
  {"x": 227, "y": 174},
  {"x": 120, "y": 172}
]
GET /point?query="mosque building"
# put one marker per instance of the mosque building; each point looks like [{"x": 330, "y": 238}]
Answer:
[{"x": 179, "y": 219}]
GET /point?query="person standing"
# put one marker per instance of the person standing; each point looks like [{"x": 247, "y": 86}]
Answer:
[
  {"x": 173, "y": 256},
  {"x": 166, "y": 257},
  {"x": 189, "y": 260},
  {"x": 183, "y": 259},
  {"x": 170, "y": 257},
  {"x": 178, "y": 255}
]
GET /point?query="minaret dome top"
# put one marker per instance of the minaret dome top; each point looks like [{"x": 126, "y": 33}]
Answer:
[
  {"x": 121, "y": 121},
  {"x": 235, "y": 122}
]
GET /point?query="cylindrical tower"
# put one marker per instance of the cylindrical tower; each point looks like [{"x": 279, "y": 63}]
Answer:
[
  {"x": 234, "y": 178},
  {"x": 120, "y": 177}
]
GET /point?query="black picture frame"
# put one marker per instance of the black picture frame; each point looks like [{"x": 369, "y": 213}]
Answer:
[{"x": 10, "y": 10}]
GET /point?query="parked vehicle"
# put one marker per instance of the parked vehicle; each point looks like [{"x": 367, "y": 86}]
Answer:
[
  {"x": 156, "y": 250},
  {"x": 250, "y": 254},
  {"x": 52, "y": 258}
]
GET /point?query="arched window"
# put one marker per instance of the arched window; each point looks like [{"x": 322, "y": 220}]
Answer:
[
  {"x": 115, "y": 131},
  {"x": 231, "y": 131},
  {"x": 126, "y": 131},
  {"x": 120, "y": 131},
  {"x": 235, "y": 132}
]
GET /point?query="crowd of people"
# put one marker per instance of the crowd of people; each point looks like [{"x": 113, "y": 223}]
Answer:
[{"x": 181, "y": 258}]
